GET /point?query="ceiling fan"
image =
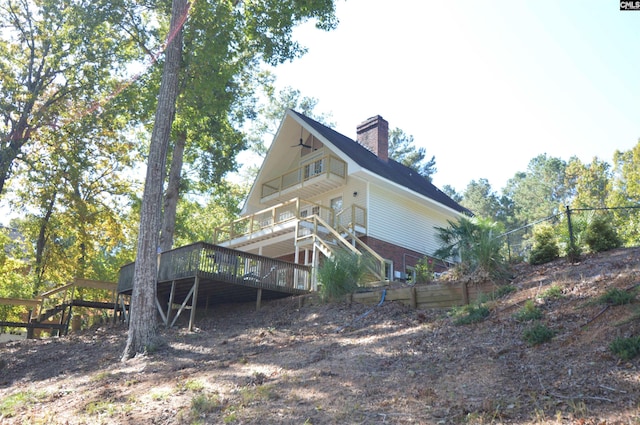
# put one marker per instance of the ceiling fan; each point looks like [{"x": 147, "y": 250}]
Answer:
[{"x": 301, "y": 143}]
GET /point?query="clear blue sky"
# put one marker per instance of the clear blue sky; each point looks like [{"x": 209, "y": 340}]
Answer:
[{"x": 485, "y": 86}]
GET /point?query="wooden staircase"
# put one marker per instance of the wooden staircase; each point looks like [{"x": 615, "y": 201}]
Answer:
[
  {"x": 42, "y": 308},
  {"x": 328, "y": 240}
]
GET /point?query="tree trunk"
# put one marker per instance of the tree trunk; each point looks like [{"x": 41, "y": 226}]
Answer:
[
  {"x": 40, "y": 245},
  {"x": 172, "y": 193},
  {"x": 142, "y": 334}
]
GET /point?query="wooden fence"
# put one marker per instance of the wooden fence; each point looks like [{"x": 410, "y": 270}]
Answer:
[{"x": 436, "y": 295}]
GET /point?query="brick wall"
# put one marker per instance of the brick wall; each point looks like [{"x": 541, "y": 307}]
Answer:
[{"x": 399, "y": 255}]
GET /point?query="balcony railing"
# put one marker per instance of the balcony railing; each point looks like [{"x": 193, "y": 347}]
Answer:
[
  {"x": 328, "y": 165},
  {"x": 353, "y": 219},
  {"x": 289, "y": 211}
]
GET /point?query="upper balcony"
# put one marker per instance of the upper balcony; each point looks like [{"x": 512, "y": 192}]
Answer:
[{"x": 319, "y": 175}]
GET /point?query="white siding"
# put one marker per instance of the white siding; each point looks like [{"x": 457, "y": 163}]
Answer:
[
  {"x": 395, "y": 219},
  {"x": 352, "y": 186}
]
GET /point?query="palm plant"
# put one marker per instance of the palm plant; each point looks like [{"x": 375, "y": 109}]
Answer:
[
  {"x": 475, "y": 243},
  {"x": 341, "y": 274}
]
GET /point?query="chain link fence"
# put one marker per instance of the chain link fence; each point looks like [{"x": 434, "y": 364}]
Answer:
[{"x": 571, "y": 226}]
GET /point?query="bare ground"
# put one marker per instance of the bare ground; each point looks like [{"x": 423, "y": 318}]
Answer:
[{"x": 336, "y": 364}]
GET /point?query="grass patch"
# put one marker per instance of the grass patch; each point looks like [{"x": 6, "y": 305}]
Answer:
[
  {"x": 615, "y": 296},
  {"x": 160, "y": 395},
  {"x": 192, "y": 385},
  {"x": 503, "y": 290},
  {"x": 258, "y": 393},
  {"x": 101, "y": 376},
  {"x": 470, "y": 314},
  {"x": 528, "y": 312},
  {"x": 626, "y": 348},
  {"x": 12, "y": 404},
  {"x": 537, "y": 334},
  {"x": 100, "y": 407},
  {"x": 202, "y": 404},
  {"x": 500, "y": 292}
]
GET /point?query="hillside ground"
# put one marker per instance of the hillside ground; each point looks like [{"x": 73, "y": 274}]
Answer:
[{"x": 354, "y": 364}]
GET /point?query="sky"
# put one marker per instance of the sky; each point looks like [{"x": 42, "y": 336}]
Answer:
[{"x": 485, "y": 86}]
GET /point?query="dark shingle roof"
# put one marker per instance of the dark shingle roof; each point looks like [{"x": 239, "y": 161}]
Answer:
[{"x": 391, "y": 170}]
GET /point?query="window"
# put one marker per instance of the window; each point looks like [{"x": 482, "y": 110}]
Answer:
[
  {"x": 313, "y": 169},
  {"x": 336, "y": 204},
  {"x": 388, "y": 270},
  {"x": 410, "y": 275}
]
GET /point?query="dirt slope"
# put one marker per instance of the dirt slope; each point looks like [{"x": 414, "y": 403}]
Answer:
[{"x": 335, "y": 364}]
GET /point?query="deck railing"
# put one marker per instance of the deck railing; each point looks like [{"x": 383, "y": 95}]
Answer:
[
  {"x": 218, "y": 263},
  {"x": 291, "y": 210},
  {"x": 328, "y": 165}
]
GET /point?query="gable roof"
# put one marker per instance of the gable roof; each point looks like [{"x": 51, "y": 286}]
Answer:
[{"x": 390, "y": 170}]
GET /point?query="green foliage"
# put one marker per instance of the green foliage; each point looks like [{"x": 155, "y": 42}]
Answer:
[
  {"x": 601, "y": 235},
  {"x": 615, "y": 296},
  {"x": 503, "y": 290},
  {"x": 14, "y": 280},
  {"x": 203, "y": 404},
  {"x": 403, "y": 149},
  {"x": 540, "y": 191},
  {"x": 528, "y": 312},
  {"x": 500, "y": 292},
  {"x": 424, "y": 270},
  {"x": 340, "y": 275},
  {"x": 552, "y": 293},
  {"x": 12, "y": 404},
  {"x": 481, "y": 199},
  {"x": 537, "y": 334},
  {"x": 625, "y": 192},
  {"x": 475, "y": 241},
  {"x": 470, "y": 314},
  {"x": 545, "y": 245},
  {"x": 192, "y": 385},
  {"x": 625, "y": 348},
  {"x": 590, "y": 183}
]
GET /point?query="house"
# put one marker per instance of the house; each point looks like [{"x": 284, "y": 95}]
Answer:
[{"x": 319, "y": 190}]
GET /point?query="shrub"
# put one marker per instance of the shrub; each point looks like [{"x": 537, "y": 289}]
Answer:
[
  {"x": 503, "y": 290},
  {"x": 340, "y": 275},
  {"x": 552, "y": 293},
  {"x": 574, "y": 252},
  {"x": 625, "y": 348},
  {"x": 476, "y": 243},
  {"x": 545, "y": 246},
  {"x": 537, "y": 334},
  {"x": 528, "y": 312},
  {"x": 615, "y": 296},
  {"x": 601, "y": 235},
  {"x": 470, "y": 314},
  {"x": 205, "y": 403},
  {"x": 424, "y": 270}
]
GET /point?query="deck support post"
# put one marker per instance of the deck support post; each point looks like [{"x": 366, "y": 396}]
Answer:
[
  {"x": 258, "y": 298},
  {"x": 159, "y": 307},
  {"x": 125, "y": 313},
  {"x": 194, "y": 303},
  {"x": 170, "y": 306},
  {"x": 115, "y": 308}
]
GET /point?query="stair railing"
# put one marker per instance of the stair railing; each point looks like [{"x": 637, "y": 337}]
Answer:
[{"x": 329, "y": 238}]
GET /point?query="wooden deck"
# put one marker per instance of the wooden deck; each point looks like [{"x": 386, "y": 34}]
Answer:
[
  {"x": 52, "y": 310},
  {"x": 203, "y": 274}
]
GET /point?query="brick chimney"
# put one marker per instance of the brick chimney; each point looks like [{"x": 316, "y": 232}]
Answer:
[{"x": 373, "y": 134}]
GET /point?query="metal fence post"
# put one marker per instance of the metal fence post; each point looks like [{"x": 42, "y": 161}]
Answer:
[{"x": 571, "y": 243}]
